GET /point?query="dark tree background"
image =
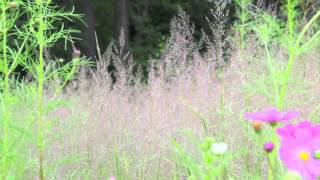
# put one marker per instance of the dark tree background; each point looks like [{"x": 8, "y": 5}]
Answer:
[{"x": 145, "y": 23}]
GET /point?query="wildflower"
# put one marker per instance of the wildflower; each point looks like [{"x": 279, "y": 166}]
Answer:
[
  {"x": 219, "y": 148},
  {"x": 272, "y": 116},
  {"x": 300, "y": 145},
  {"x": 112, "y": 178},
  {"x": 268, "y": 147}
]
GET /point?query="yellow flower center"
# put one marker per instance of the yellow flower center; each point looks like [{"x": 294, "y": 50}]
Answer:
[{"x": 304, "y": 156}]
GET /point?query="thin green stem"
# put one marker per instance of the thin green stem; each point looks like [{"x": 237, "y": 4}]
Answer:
[
  {"x": 271, "y": 69},
  {"x": 292, "y": 53},
  {"x": 307, "y": 27},
  {"x": 17, "y": 56},
  {"x": 292, "y": 49},
  {"x": 40, "y": 113},
  {"x": 271, "y": 175},
  {"x": 6, "y": 91},
  {"x": 311, "y": 40},
  {"x": 284, "y": 88},
  {"x": 40, "y": 78},
  {"x": 69, "y": 75},
  {"x": 290, "y": 13}
]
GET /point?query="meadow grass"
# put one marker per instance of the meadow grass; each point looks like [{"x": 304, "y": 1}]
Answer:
[{"x": 62, "y": 125}]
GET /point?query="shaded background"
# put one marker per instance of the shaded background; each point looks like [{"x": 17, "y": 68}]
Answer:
[{"x": 146, "y": 23}]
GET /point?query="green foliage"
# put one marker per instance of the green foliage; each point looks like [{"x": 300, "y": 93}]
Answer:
[
  {"x": 288, "y": 34},
  {"x": 244, "y": 18},
  {"x": 31, "y": 39},
  {"x": 10, "y": 58},
  {"x": 206, "y": 163}
]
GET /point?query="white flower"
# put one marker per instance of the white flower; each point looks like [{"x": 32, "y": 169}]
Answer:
[{"x": 219, "y": 148}]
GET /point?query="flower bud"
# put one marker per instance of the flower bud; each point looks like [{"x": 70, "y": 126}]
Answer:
[
  {"x": 316, "y": 154},
  {"x": 273, "y": 123},
  {"x": 13, "y": 5},
  {"x": 257, "y": 126},
  {"x": 268, "y": 147}
]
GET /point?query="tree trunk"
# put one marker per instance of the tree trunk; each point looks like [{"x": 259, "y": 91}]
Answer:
[{"x": 87, "y": 9}]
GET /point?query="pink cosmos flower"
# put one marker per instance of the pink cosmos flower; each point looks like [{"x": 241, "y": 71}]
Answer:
[
  {"x": 299, "y": 147},
  {"x": 272, "y": 115},
  {"x": 112, "y": 178}
]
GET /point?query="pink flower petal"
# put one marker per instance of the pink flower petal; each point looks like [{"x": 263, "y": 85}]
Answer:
[
  {"x": 313, "y": 168},
  {"x": 296, "y": 139},
  {"x": 286, "y": 130},
  {"x": 303, "y": 135},
  {"x": 290, "y": 115},
  {"x": 272, "y": 115}
]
